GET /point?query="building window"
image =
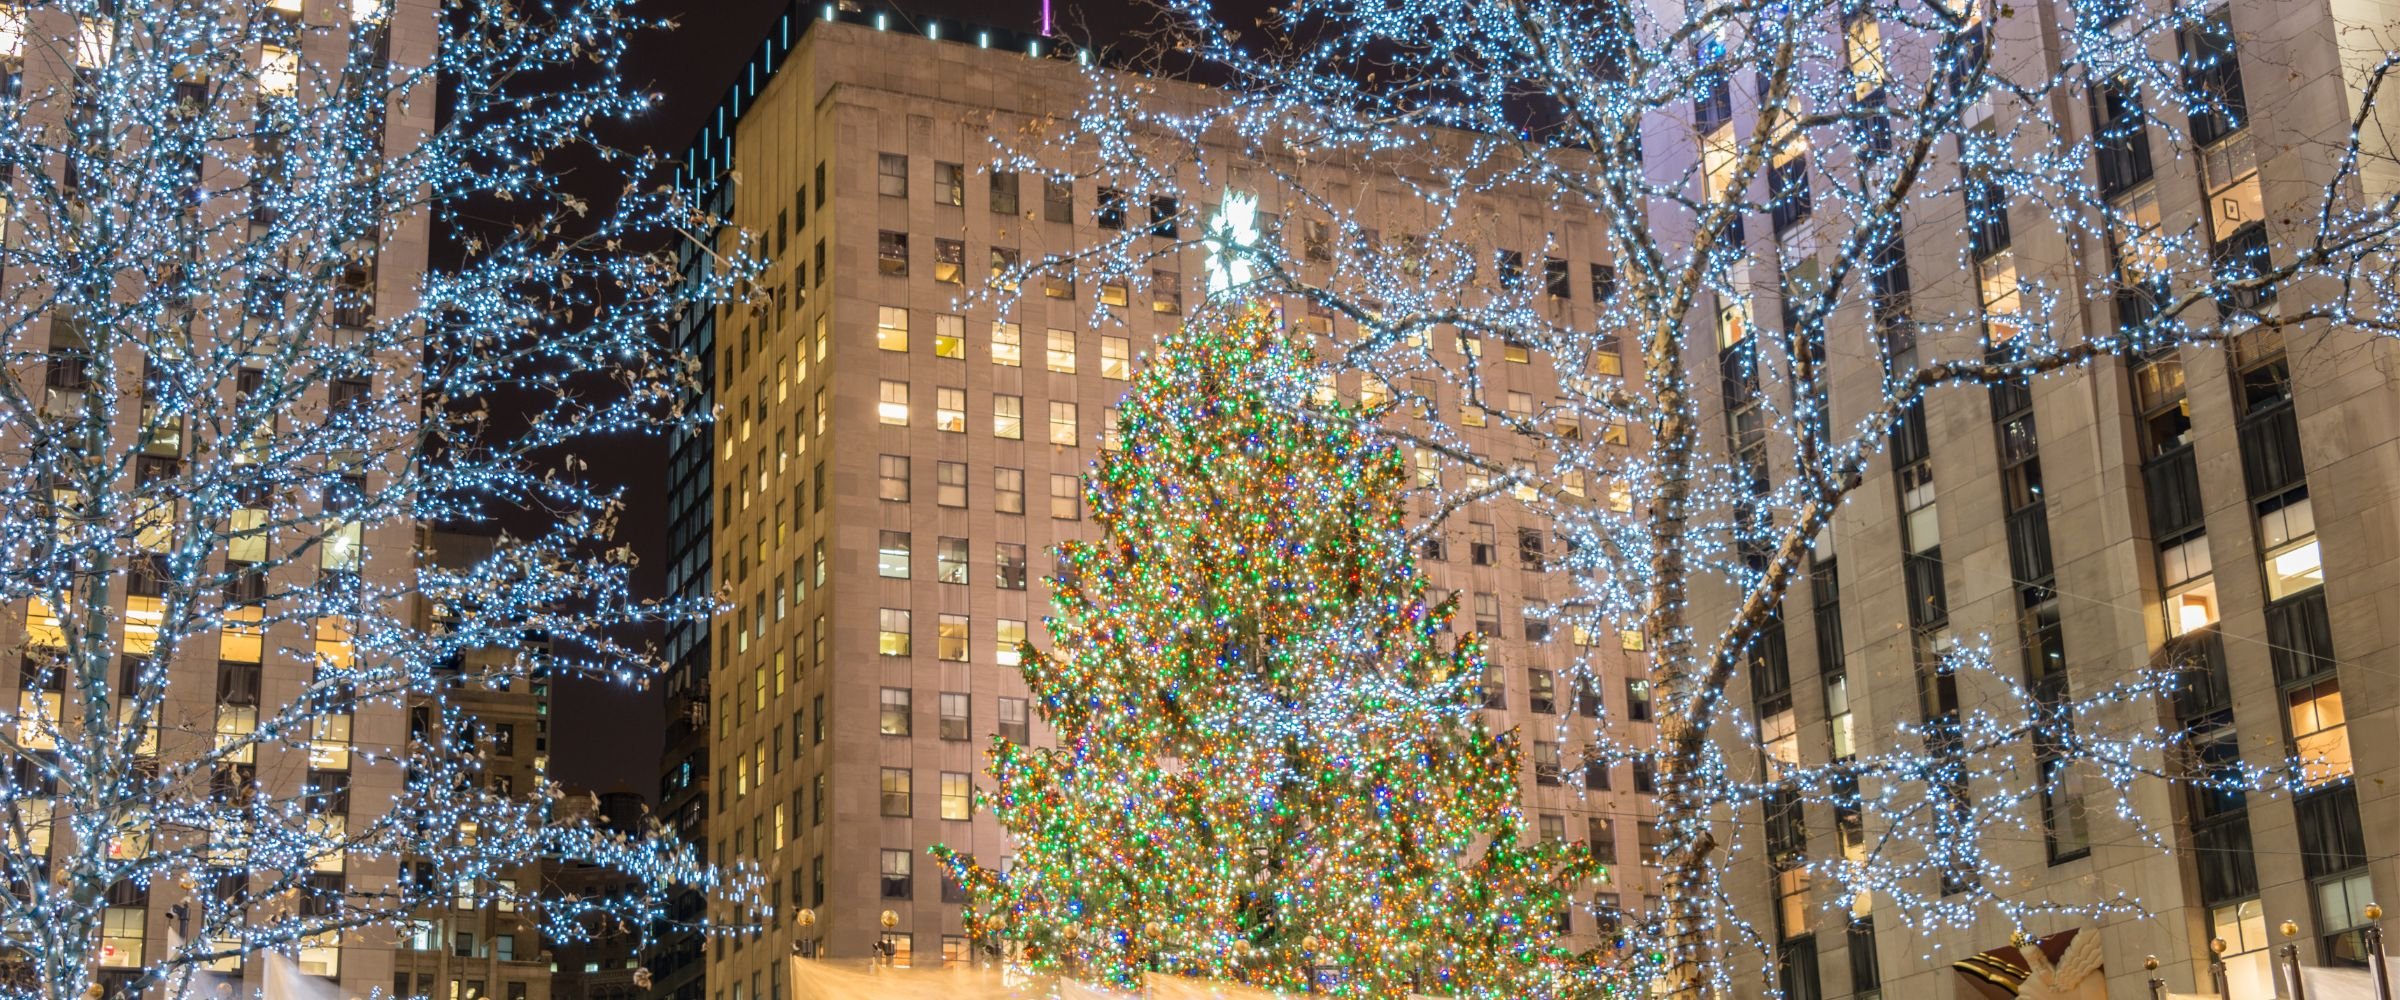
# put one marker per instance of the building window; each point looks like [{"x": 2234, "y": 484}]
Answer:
[
  {"x": 1116, "y": 358},
  {"x": 891, "y": 555},
  {"x": 1483, "y": 546},
  {"x": 1009, "y": 564},
  {"x": 949, "y": 336},
  {"x": 891, "y": 253},
  {"x": 898, "y": 865},
  {"x": 1008, "y": 644},
  {"x": 1008, "y": 417},
  {"x": 1111, "y": 437},
  {"x": 1008, "y": 490},
  {"x": 896, "y": 787},
  {"x": 891, "y": 175},
  {"x": 1058, "y": 200},
  {"x": 1542, "y": 691},
  {"x": 1546, "y": 763},
  {"x": 1062, "y": 424},
  {"x": 1112, "y": 292},
  {"x": 891, "y": 328},
  {"x": 1007, "y": 345},
  {"x": 894, "y": 720},
  {"x": 949, "y": 184},
  {"x": 2287, "y": 533},
  {"x": 950, "y": 410},
  {"x": 891, "y": 477},
  {"x": 1637, "y": 700},
  {"x": 1110, "y": 212},
  {"x": 1166, "y": 293},
  {"x": 1066, "y": 498},
  {"x": 1162, "y": 217},
  {"x": 950, "y": 560},
  {"x": 956, "y": 713},
  {"x": 1015, "y": 721},
  {"x": 949, "y": 261},
  {"x": 1004, "y": 269},
  {"x": 893, "y": 407},
  {"x": 958, "y": 796},
  {"x": 892, "y": 632},
  {"x": 950, "y": 637},
  {"x": 2191, "y": 589},
  {"x": 2320, "y": 732},
  {"x": 1004, "y": 192},
  {"x": 1061, "y": 353}
]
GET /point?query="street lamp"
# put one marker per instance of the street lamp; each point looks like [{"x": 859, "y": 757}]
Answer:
[
  {"x": 806, "y": 947},
  {"x": 885, "y": 950}
]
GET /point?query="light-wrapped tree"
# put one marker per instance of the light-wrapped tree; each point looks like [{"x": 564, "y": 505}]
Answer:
[
  {"x": 235, "y": 388},
  {"x": 1269, "y": 768}
]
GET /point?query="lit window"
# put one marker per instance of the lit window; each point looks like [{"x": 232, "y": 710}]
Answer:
[
  {"x": 1008, "y": 417},
  {"x": 896, "y": 788},
  {"x": 892, "y": 718},
  {"x": 94, "y": 42},
  {"x": 2191, "y": 589},
  {"x": 1063, "y": 423},
  {"x": 891, "y": 328},
  {"x": 949, "y": 261},
  {"x": 1007, "y": 349},
  {"x": 949, "y": 336},
  {"x": 891, "y": 555},
  {"x": 950, "y": 410},
  {"x": 1061, "y": 353},
  {"x": 894, "y": 406},
  {"x": 2000, "y": 296},
  {"x": 2289, "y": 536},
  {"x": 951, "y": 637},
  {"x": 121, "y": 931},
  {"x": 958, "y": 796},
  {"x": 1112, "y": 292},
  {"x": 2320, "y": 735},
  {"x": 1006, "y": 639},
  {"x": 892, "y": 634},
  {"x": 1864, "y": 53},
  {"x": 340, "y": 549},
  {"x": 278, "y": 71},
  {"x": 1116, "y": 358}
]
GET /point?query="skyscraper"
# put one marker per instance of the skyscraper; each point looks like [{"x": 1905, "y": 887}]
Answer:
[{"x": 895, "y": 454}]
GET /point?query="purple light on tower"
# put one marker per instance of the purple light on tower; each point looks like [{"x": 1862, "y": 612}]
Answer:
[{"x": 1045, "y": 18}]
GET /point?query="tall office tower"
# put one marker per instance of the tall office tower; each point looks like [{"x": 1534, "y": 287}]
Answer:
[
  {"x": 2227, "y": 511},
  {"x": 483, "y": 942},
  {"x": 894, "y": 456},
  {"x": 87, "y": 89}
]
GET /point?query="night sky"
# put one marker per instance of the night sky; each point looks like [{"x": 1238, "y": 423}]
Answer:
[{"x": 608, "y": 737}]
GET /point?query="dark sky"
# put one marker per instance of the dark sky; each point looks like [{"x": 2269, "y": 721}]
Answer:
[{"x": 608, "y": 737}]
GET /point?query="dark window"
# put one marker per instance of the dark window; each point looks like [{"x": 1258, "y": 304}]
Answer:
[
  {"x": 1110, "y": 212},
  {"x": 2212, "y": 79},
  {"x": 2121, "y": 139},
  {"x": 1554, "y": 278},
  {"x": 1162, "y": 217}
]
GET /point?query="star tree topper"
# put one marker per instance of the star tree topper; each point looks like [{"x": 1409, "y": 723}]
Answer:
[{"x": 1231, "y": 233}]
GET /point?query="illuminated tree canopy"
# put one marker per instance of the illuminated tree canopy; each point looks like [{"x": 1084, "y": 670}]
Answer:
[{"x": 235, "y": 388}]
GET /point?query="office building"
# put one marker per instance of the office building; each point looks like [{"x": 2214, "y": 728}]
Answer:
[{"x": 893, "y": 458}]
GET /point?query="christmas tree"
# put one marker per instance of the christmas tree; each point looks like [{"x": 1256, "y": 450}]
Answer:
[{"x": 1269, "y": 768}]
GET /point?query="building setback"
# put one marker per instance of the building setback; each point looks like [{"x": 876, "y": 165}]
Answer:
[{"x": 894, "y": 458}]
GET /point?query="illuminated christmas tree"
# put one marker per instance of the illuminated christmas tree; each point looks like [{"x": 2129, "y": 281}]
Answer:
[{"x": 1269, "y": 766}]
